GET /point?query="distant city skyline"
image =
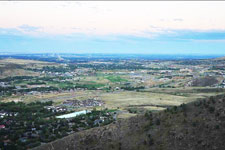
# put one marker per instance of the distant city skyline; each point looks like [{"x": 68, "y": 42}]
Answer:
[{"x": 185, "y": 27}]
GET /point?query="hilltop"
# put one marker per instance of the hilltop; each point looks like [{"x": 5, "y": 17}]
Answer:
[
  {"x": 20, "y": 67},
  {"x": 197, "y": 125}
]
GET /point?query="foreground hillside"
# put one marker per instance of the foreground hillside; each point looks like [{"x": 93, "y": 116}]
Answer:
[{"x": 198, "y": 125}]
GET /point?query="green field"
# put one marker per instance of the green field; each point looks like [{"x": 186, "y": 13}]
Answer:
[{"x": 115, "y": 79}]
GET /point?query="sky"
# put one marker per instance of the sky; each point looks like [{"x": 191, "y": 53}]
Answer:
[{"x": 143, "y": 27}]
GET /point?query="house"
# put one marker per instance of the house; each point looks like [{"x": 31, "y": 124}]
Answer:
[
  {"x": 97, "y": 122},
  {"x": 6, "y": 142},
  {"x": 2, "y": 114},
  {"x": 33, "y": 129},
  {"x": 23, "y": 139},
  {"x": 117, "y": 88},
  {"x": 2, "y": 126}
]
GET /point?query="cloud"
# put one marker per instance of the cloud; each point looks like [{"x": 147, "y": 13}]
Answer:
[
  {"x": 192, "y": 35},
  {"x": 107, "y": 18},
  {"x": 178, "y": 19},
  {"x": 28, "y": 28},
  {"x": 9, "y": 31},
  {"x": 152, "y": 33},
  {"x": 212, "y": 41}
]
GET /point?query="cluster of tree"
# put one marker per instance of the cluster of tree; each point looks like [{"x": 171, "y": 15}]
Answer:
[
  {"x": 8, "y": 88},
  {"x": 163, "y": 69},
  {"x": 9, "y": 79},
  {"x": 34, "y": 124},
  {"x": 89, "y": 86},
  {"x": 22, "y": 107},
  {"x": 39, "y": 89},
  {"x": 129, "y": 66},
  {"x": 132, "y": 88},
  {"x": 194, "y": 62},
  {"x": 36, "y": 83},
  {"x": 55, "y": 69}
]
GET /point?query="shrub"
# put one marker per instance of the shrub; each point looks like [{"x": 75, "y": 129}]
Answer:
[
  {"x": 151, "y": 141},
  {"x": 183, "y": 107},
  {"x": 211, "y": 109},
  {"x": 157, "y": 122},
  {"x": 148, "y": 114},
  {"x": 194, "y": 124},
  {"x": 217, "y": 126}
]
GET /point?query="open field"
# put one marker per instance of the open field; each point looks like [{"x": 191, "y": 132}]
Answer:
[
  {"x": 151, "y": 99},
  {"x": 148, "y": 99}
]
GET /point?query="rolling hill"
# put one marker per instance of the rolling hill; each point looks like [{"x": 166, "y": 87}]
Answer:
[{"x": 197, "y": 125}]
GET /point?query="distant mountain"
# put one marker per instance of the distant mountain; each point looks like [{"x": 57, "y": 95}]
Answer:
[{"x": 198, "y": 125}]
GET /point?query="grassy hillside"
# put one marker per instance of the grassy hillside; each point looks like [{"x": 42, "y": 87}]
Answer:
[
  {"x": 197, "y": 125},
  {"x": 19, "y": 67}
]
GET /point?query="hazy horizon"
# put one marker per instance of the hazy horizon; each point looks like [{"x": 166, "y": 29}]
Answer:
[{"x": 67, "y": 53}]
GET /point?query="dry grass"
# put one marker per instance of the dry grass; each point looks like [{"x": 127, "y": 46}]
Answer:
[
  {"x": 18, "y": 72},
  {"x": 127, "y": 98},
  {"x": 125, "y": 115},
  {"x": 21, "y": 61},
  {"x": 12, "y": 70}
]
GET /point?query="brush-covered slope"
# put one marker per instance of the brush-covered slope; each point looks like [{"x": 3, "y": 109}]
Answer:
[
  {"x": 205, "y": 81},
  {"x": 196, "y": 126}
]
